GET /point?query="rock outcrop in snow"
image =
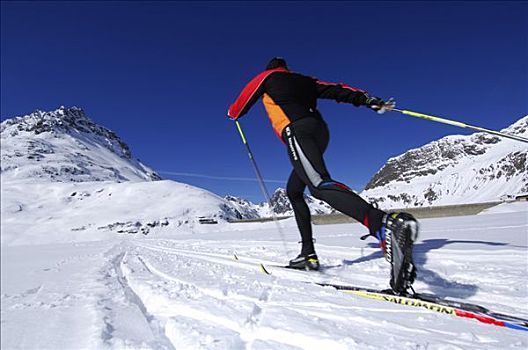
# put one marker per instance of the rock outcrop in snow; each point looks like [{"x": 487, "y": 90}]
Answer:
[{"x": 454, "y": 170}]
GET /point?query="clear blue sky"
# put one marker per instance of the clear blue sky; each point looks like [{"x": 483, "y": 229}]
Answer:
[{"x": 162, "y": 75}]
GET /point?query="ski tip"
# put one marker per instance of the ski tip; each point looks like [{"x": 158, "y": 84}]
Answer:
[
  {"x": 515, "y": 326},
  {"x": 263, "y": 269}
]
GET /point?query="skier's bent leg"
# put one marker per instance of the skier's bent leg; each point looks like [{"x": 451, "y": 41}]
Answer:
[
  {"x": 306, "y": 142},
  {"x": 342, "y": 198}
]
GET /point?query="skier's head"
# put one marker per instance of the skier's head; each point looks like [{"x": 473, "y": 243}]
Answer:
[{"x": 276, "y": 62}]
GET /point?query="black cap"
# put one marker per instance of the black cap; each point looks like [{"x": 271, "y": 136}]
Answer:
[{"x": 276, "y": 62}]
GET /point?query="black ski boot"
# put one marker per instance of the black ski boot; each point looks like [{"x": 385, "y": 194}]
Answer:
[
  {"x": 305, "y": 262},
  {"x": 401, "y": 232}
]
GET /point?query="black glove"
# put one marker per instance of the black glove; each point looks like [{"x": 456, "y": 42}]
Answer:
[
  {"x": 374, "y": 102},
  {"x": 378, "y": 105}
]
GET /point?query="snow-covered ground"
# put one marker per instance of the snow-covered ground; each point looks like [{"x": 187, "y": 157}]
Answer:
[
  {"x": 79, "y": 211},
  {"x": 184, "y": 290}
]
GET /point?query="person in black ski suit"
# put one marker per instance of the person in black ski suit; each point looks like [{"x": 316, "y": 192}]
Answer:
[{"x": 290, "y": 100}]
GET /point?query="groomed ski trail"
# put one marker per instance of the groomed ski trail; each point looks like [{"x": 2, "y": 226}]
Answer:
[
  {"x": 196, "y": 285},
  {"x": 188, "y": 292}
]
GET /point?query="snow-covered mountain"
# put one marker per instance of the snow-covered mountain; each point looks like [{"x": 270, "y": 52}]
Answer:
[
  {"x": 251, "y": 210},
  {"x": 62, "y": 164},
  {"x": 279, "y": 205},
  {"x": 62, "y": 173},
  {"x": 66, "y": 146},
  {"x": 454, "y": 170}
]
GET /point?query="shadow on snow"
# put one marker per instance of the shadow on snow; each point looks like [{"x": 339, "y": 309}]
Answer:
[{"x": 438, "y": 285}]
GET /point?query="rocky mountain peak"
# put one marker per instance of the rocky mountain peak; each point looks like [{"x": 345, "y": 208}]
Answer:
[
  {"x": 66, "y": 145},
  {"x": 63, "y": 120},
  {"x": 455, "y": 169},
  {"x": 279, "y": 202}
]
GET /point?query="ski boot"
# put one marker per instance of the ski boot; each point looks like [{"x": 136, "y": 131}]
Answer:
[
  {"x": 399, "y": 232},
  {"x": 305, "y": 262}
]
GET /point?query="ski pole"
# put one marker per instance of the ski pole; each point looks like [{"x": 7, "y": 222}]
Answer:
[
  {"x": 253, "y": 162},
  {"x": 261, "y": 182},
  {"x": 459, "y": 124}
]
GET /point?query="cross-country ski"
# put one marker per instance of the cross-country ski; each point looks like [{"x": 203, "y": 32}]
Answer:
[{"x": 427, "y": 301}]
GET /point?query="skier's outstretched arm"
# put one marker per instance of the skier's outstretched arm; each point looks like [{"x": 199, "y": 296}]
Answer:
[
  {"x": 357, "y": 97},
  {"x": 341, "y": 93}
]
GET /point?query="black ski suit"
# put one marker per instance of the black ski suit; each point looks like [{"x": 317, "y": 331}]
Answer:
[{"x": 290, "y": 100}]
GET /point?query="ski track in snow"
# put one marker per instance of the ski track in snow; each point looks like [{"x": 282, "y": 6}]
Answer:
[
  {"x": 185, "y": 300},
  {"x": 189, "y": 292}
]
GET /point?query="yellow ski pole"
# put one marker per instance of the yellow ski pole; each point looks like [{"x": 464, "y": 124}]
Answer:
[{"x": 459, "y": 124}]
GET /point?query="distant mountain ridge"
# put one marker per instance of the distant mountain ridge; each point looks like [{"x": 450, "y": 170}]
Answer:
[
  {"x": 280, "y": 205},
  {"x": 454, "y": 170},
  {"x": 66, "y": 146}
]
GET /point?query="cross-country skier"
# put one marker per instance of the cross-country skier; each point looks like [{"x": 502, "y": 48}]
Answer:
[{"x": 290, "y": 100}]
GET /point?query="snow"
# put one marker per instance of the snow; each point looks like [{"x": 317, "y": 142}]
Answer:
[
  {"x": 64, "y": 212},
  {"x": 182, "y": 288},
  {"x": 521, "y": 206}
]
